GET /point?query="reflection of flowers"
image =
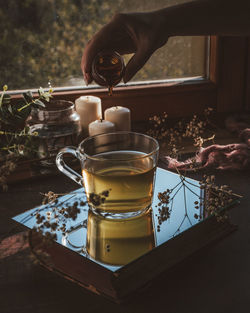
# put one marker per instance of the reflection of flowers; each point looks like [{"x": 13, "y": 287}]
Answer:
[
  {"x": 211, "y": 202},
  {"x": 216, "y": 198},
  {"x": 164, "y": 211},
  {"x": 57, "y": 214},
  {"x": 98, "y": 199},
  {"x": 53, "y": 217}
]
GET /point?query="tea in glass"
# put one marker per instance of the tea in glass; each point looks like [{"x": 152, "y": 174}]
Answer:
[
  {"x": 118, "y": 171},
  {"x": 129, "y": 185}
]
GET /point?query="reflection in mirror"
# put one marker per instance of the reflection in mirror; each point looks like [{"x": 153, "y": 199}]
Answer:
[
  {"x": 179, "y": 203},
  {"x": 118, "y": 242}
]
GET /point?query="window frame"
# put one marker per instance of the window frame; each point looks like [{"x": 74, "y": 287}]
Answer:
[
  {"x": 247, "y": 79},
  {"x": 226, "y": 89}
]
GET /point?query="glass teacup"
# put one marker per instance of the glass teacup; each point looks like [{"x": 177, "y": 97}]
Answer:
[{"x": 118, "y": 171}]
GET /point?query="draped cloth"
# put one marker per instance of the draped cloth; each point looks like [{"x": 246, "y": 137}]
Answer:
[{"x": 231, "y": 156}]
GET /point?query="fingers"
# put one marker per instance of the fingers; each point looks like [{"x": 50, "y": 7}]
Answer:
[
  {"x": 100, "y": 41},
  {"x": 135, "y": 64},
  {"x": 86, "y": 67},
  {"x": 113, "y": 36},
  {"x": 87, "y": 59},
  {"x": 123, "y": 34},
  {"x": 93, "y": 47}
]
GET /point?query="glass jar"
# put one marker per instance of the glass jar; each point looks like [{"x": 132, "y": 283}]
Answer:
[
  {"x": 108, "y": 68},
  {"x": 56, "y": 126}
]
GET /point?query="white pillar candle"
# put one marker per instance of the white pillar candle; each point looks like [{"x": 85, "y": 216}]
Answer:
[
  {"x": 90, "y": 109},
  {"x": 100, "y": 127},
  {"x": 120, "y": 116}
]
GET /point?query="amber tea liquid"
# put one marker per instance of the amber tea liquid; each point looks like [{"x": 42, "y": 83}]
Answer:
[
  {"x": 107, "y": 69},
  {"x": 118, "y": 242},
  {"x": 130, "y": 182}
]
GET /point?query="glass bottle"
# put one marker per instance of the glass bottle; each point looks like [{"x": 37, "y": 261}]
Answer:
[
  {"x": 56, "y": 126},
  {"x": 107, "y": 69}
]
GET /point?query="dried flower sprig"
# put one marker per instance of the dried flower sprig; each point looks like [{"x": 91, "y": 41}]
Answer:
[
  {"x": 216, "y": 198},
  {"x": 58, "y": 213},
  {"x": 173, "y": 137},
  {"x": 163, "y": 207},
  {"x": 214, "y": 202},
  {"x": 7, "y": 166},
  {"x": 196, "y": 127},
  {"x": 14, "y": 146},
  {"x": 54, "y": 215}
]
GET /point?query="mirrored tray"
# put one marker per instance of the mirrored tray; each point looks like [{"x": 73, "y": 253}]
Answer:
[{"x": 103, "y": 255}]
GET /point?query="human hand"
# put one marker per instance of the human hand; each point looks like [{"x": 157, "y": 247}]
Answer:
[{"x": 138, "y": 33}]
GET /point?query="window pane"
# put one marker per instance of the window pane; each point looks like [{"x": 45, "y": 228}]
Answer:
[{"x": 42, "y": 42}]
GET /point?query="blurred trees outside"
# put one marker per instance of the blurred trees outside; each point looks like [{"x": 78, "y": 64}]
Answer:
[{"x": 41, "y": 42}]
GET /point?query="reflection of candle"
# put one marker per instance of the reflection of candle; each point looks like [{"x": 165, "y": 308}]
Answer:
[
  {"x": 90, "y": 109},
  {"x": 120, "y": 116},
  {"x": 101, "y": 127}
]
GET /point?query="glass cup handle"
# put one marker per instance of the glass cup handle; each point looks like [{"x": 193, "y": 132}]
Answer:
[{"x": 64, "y": 168}]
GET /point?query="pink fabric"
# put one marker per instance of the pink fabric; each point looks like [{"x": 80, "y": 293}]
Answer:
[
  {"x": 232, "y": 156},
  {"x": 12, "y": 245}
]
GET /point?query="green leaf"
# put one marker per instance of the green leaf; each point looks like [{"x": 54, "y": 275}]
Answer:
[
  {"x": 10, "y": 109},
  {"x": 38, "y": 104},
  {"x": 6, "y": 115},
  {"x": 1, "y": 98},
  {"x": 23, "y": 113},
  {"x": 41, "y": 90},
  {"x": 6, "y": 99},
  {"x": 47, "y": 96},
  {"x": 28, "y": 96}
]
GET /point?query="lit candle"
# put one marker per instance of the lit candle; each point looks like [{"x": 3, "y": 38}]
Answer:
[
  {"x": 120, "y": 116},
  {"x": 90, "y": 109},
  {"x": 100, "y": 127}
]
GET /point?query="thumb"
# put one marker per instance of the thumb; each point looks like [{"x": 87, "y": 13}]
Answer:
[{"x": 135, "y": 64}]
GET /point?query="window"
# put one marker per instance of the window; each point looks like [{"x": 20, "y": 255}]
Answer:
[
  {"x": 50, "y": 36},
  {"x": 42, "y": 43}
]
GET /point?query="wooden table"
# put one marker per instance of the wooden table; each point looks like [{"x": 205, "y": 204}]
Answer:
[{"x": 215, "y": 279}]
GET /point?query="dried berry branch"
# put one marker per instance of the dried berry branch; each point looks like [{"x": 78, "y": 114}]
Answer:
[
  {"x": 174, "y": 137},
  {"x": 214, "y": 201},
  {"x": 55, "y": 214}
]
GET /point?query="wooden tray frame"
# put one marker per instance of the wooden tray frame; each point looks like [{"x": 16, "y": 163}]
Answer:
[{"x": 120, "y": 285}]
